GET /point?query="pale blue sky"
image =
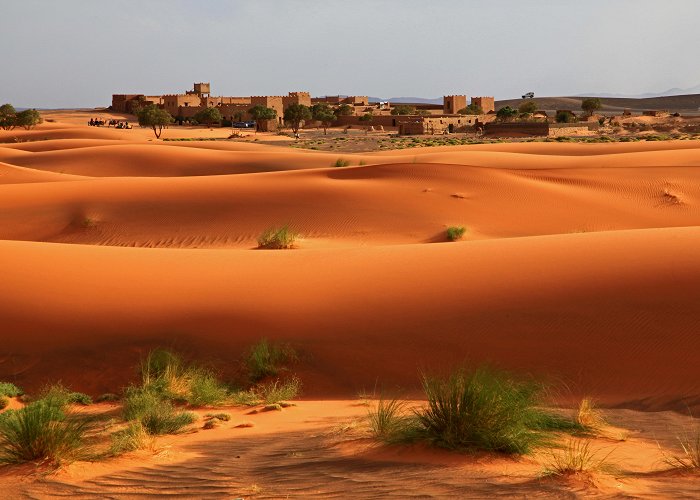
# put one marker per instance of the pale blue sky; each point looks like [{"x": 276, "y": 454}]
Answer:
[{"x": 76, "y": 53}]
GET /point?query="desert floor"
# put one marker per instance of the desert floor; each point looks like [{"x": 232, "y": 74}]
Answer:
[{"x": 579, "y": 265}]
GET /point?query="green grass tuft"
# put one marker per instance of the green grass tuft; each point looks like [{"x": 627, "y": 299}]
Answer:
[
  {"x": 340, "y": 162},
  {"x": 473, "y": 410},
  {"x": 278, "y": 238},
  {"x": 10, "y": 390},
  {"x": 157, "y": 415},
  {"x": 279, "y": 390},
  {"x": 455, "y": 233},
  {"x": 133, "y": 437},
  {"x": 576, "y": 458},
  {"x": 43, "y": 431},
  {"x": 268, "y": 359},
  {"x": 392, "y": 422}
]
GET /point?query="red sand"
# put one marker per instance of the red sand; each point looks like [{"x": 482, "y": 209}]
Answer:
[{"x": 579, "y": 265}]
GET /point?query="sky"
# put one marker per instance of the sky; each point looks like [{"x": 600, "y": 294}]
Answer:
[{"x": 77, "y": 53}]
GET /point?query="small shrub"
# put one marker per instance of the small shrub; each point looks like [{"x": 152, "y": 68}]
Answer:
[
  {"x": 455, "y": 233},
  {"x": 4, "y": 402},
  {"x": 134, "y": 437},
  {"x": 58, "y": 395},
  {"x": 206, "y": 390},
  {"x": 267, "y": 359},
  {"x": 485, "y": 410},
  {"x": 278, "y": 391},
  {"x": 576, "y": 458},
  {"x": 10, "y": 390},
  {"x": 42, "y": 431},
  {"x": 278, "y": 238},
  {"x": 340, "y": 162},
  {"x": 157, "y": 415}
]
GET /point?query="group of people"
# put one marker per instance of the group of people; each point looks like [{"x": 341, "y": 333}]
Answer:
[{"x": 94, "y": 122}]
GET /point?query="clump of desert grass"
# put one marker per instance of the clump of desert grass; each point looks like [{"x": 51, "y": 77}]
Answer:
[
  {"x": 10, "y": 390},
  {"x": 269, "y": 393},
  {"x": 341, "y": 162},
  {"x": 154, "y": 413},
  {"x": 473, "y": 410},
  {"x": 133, "y": 437},
  {"x": 278, "y": 238},
  {"x": 164, "y": 373},
  {"x": 688, "y": 457},
  {"x": 455, "y": 233},
  {"x": 45, "y": 431},
  {"x": 588, "y": 416},
  {"x": 267, "y": 359},
  {"x": 576, "y": 457}
]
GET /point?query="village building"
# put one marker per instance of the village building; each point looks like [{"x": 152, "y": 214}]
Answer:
[{"x": 427, "y": 119}]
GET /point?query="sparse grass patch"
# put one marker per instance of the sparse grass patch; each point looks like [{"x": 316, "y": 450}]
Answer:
[
  {"x": 268, "y": 359},
  {"x": 576, "y": 458},
  {"x": 278, "y": 238},
  {"x": 133, "y": 437},
  {"x": 341, "y": 162},
  {"x": 689, "y": 456},
  {"x": 279, "y": 390},
  {"x": 455, "y": 233},
  {"x": 157, "y": 415},
  {"x": 392, "y": 422},
  {"x": 10, "y": 390},
  {"x": 165, "y": 373},
  {"x": 589, "y": 416}
]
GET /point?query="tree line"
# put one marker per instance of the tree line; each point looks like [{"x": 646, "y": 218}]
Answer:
[{"x": 10, "y": 118}]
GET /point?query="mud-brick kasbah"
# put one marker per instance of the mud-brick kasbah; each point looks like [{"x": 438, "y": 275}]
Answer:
[{"x": 427, "y": 118}]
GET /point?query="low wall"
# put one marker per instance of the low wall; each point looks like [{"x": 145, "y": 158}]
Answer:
[{"x": 517, "y": 129}]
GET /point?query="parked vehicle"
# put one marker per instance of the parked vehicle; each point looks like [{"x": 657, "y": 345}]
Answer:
[{"x": 243, "y": 125}]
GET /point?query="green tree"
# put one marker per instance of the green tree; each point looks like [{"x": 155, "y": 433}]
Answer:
[
  {"x": 367, "y": 117},
  {"x": 403, "y": 109},
  {"x": 472, "y": 109},
  {"x": 154, "y": 117},
  {"x": 208, "y": 116},
  {"x": 506, "y": 113},
  {"x": 7, "y": 116},
  {"x": 323, "y": 113},
  {"x": 295, "y": 114},
  {"x": 565, "y": 117},
  {"x": 528, "y": 106},
  {"x": 344, "y": 110},
  {"x": 261, "y": 114},
  {"x": 28, "y": 118},
  {"x": 591, "y": 105}
]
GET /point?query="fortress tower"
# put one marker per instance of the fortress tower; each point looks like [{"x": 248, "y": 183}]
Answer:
[
  {"x": 453, "y": 103},
  {"x": 487, "y": 104}
]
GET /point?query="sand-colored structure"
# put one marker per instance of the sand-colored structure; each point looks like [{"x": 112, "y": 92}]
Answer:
[{"x": 235, "y": 109}]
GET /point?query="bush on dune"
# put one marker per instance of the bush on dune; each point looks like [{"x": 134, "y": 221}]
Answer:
[
  {"x": 157, "y": 415},
  {"x": 44, "y": 431},
  {"x": 483, "y": 409},
  {"x": 267, "y": 359},
  {"x": 278, "y": 238}
]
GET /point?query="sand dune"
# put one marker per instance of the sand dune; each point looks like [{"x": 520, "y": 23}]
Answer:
[
  {"x": 578, "y": 262},
  {"x": 579, "y": 266},
  {"x": 595, "y": 310}
]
